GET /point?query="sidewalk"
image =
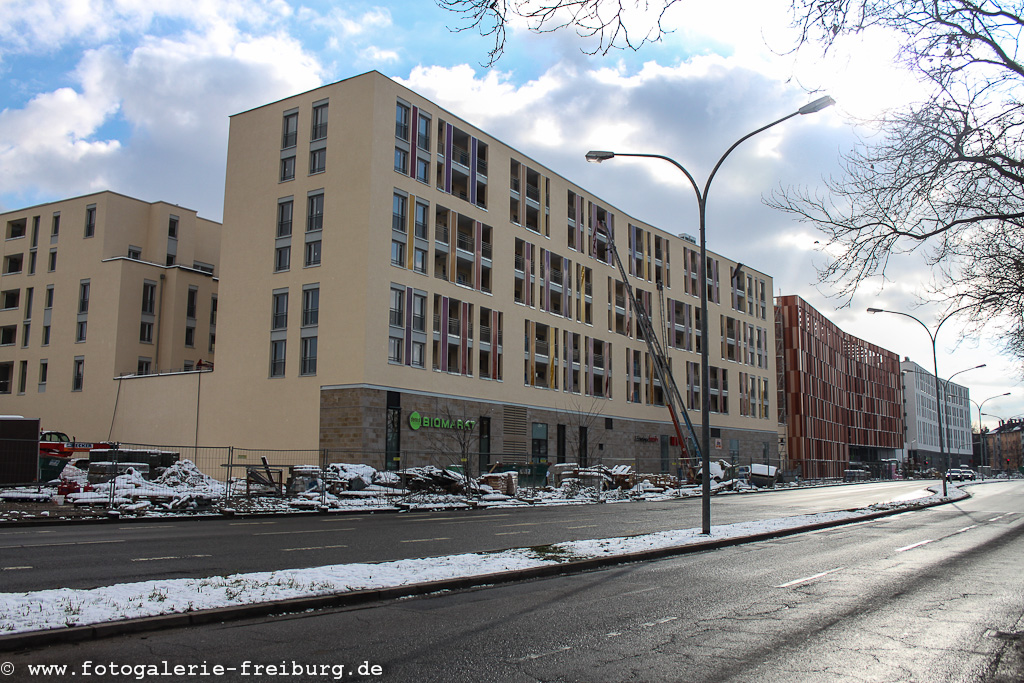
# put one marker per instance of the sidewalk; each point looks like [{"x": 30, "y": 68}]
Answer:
[{"x": 61, "y": 615}]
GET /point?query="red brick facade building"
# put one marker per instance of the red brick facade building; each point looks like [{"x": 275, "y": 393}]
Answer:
[{"x": 840, "y": 398}]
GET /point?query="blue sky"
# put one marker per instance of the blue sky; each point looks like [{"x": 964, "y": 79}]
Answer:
[{"x": 134, "y": 96}]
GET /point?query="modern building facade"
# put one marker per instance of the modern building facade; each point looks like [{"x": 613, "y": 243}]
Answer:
[
  {"x": 922, "y": 417},
  {"x": 95, "y": 287},
  {"x": 840, "y": 397},
  {"x": 396, "y": 282}
]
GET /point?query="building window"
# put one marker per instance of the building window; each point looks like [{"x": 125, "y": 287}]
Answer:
[
  {"x": 318, "y": 161},
  {"x": 394, "y": 350},
  {"x": 419, "y": 313},
  {"x": 146, "y": 332},
  {"x": 135, "y": 253},
  {"x": 319, "y": 122},
  {"x": 213, "y": 310},
  {"x": 172, "y": 227},
  {"x": 55, "y": 231},
  {"x": 191, "y": 303},
  {"x": 423, "y": 133},
  {"x": 44, "y": 370},
  {"x": 422, "y": 170},
  {"x": 6, "y": 372},
  {"x": 190, "y": 336},
  {"x": 282, "y": 259},
  {"x": 402, "y": 122},
  {"x": 284, "y": 218},
  {"x": 145, "y": 367},
  {"x": 418, "y": 352},
  {"x": 90, "y": 221},
  {"x": 399, "y": 212},
  {"x": 46, "y": 335},
  {"x": 290, "y": 130},
  {"x": 52, "y": 265},
  {"x": 8, "y": 335},
  {"x": 421, "y": 221},
  {"x": 48, "y": 301},
  {"x": 277, "y": 358},
  {"x": 311, "y": 306},
  {"x": 287, "y": 168},
  {"x": 279, "y": 311},
  {"x": 396, "y": 316},
  {"x": 308, "y": 356},
  {"x": 315, "y": 213},
  {"x": 80, "y": 329},
  {"x": 32, "y": 262},
  {"x": 420, "y": 260},
  {"x": 10, "y": 299},
  {"x": 83, "y": 297},
  {"x": 401, "y": 160},
  {"x": 397, "y": 253},
  {"x": 149, "y": 298},
  {"x": 13, "y": 263},
  {"x": 78, "y": 374},
  {"x": 170, "y": 259},
  {"x": 313, "y": 253}
]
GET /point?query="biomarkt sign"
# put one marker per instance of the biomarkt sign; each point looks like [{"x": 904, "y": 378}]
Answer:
[{"x": 416, "y": 421}]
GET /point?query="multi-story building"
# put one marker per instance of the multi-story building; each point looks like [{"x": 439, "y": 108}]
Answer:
[
  {"x": 840, "y": 397},
  {"x": 922, "y": 418},
  {"x": 1004, "y": 446},
  {"x": 96, "y": 287},
  {"x": 394, "y": 277}
]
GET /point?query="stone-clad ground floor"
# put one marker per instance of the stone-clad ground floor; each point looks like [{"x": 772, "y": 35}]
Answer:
[{"x": 397, "y": 428}]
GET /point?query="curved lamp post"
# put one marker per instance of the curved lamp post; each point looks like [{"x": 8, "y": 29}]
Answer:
[
  {"x": 702, "y": 197},
  {"x": 935, "y": 367}
]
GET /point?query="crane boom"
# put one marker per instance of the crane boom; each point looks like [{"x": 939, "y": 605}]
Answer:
[{"x": 673, "y": 400}]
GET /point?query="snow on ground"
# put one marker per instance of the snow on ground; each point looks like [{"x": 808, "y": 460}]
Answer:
[{"x": 62, "y": 607}]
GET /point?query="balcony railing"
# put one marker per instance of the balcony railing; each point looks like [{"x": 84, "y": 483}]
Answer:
[
  {"x": 441, "y": 233},
  {"x": 532, "y": 192},
  {"x": 465, "y": 242}
]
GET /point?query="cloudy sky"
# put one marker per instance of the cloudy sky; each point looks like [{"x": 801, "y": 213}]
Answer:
[{"x": 134, "y": 96}]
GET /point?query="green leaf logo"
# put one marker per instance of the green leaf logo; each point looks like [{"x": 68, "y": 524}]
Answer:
[{"x": 415, "y": 421}]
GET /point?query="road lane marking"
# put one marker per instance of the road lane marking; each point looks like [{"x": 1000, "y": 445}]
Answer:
[
  {"x": 545, "y": 654},
  {"x": 995, "y": 519},
  {"x": 659, "y": 622},
  {"x": 313, "y": 547},
  {"x": 510, "y": 533},
  {"x": 22, "y": 533},
  {"x": 301, "y": 531},
  {"x": 11, "y": 569},
  {"x": 50, "y": 545},
  {"x": 143, "y": 528},
  {"x": 966, "y": 528},
  {"x": 167, "y": 557},
  {"x": 249, "y": 523},
  {"x": 914, "y": 545},
  {"x": 506, "y": 526},
  {"x": 585, "y": 526},
  {"x": 426, "y": 540},
  {"x": 795, "y": 582}
]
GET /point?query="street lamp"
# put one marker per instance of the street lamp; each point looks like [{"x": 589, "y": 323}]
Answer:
[
  {"x": 981, "y": 436},
  {"x": 705, "y": 379},
  {"x": 935, "y": 367}
]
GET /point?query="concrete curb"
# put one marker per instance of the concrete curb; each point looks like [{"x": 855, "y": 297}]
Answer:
[{"x": 32, "y": 639}]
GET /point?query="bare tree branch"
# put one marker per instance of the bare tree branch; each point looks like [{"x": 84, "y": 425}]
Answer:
[
  {"x": 945, "y": 176},
  {"x": 609, "y": 24}
]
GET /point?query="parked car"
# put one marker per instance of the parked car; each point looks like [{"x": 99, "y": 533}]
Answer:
[
  {"x": 954, "y": 475},
  {"x": 967, "y": 474}
]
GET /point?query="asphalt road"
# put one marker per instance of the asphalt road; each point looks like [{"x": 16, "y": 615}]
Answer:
[
  {"x": 89, "y": 555},
  {"x": 931, "y": 595}
]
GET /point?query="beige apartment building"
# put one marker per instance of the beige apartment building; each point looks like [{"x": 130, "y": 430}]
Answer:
[
  {"x": 394, "y": 282},
  {"x": 96, "y": 287}
]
